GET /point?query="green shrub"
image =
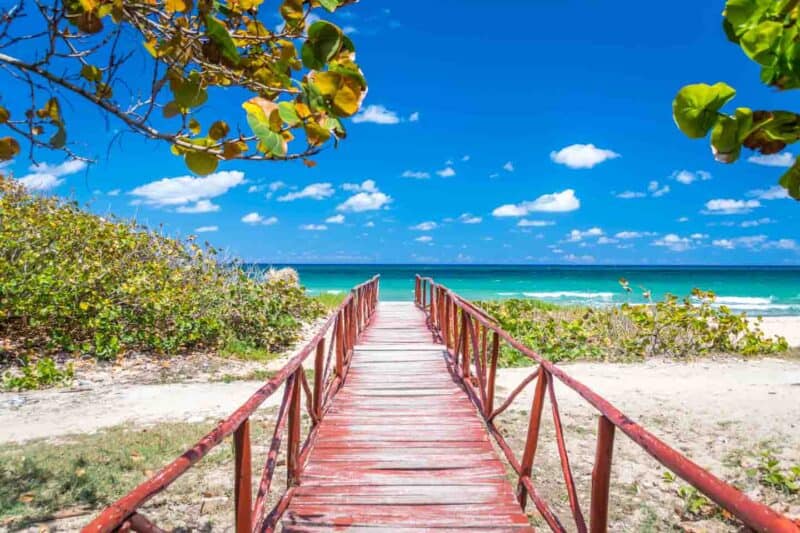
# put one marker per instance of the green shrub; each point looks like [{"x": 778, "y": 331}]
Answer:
[
  {"x": 42, "y": 373},
  {"x": 671, "y": 327},
  {"x": 71, "y": 281}
]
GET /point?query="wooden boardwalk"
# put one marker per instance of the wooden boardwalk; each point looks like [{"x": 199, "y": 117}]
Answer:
[{"x": 402, "y": 447}]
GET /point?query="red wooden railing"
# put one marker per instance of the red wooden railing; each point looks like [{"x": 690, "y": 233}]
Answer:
[
  {"x": 473, "y": 340},
  {"x": 330, "y": 370}
]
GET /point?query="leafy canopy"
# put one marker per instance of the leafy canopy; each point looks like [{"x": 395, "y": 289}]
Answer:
[
  {"x": 298, "y": 81},
  {"x": 767, "y": 32}
]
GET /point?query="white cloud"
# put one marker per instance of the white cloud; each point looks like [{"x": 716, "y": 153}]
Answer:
[
  {"x": 577, "y": 235},
  {"x": 737, "y": 242},
  {"x": 683, "y": 219},
  {"x": 582, "y": 156},
  {"x": 114, "y": 192},
  {"x": 525, "y": 223},
  {"x": 467, "y": 218},
  {"x": 376, "y": 114},
  {"x": 509, "y": 166},
  {"x": 369, "y": 224},
  {"x": 315, "y": 191},
  {"x": 629, "y": 235},
  {"x": 364, "y": 186},
  {"x": 755, "y": 223},
  {"x": 446, "y": 172},
  {"x": 558, "y": 202},
  {"x": 657, "y": 191},
  {"x": 413, "y": 117},
  {"x": 776, "y": 192},
  {"x": 201, "y": 206},
  {"x": 254, "y": 218},
  {"x": 784, "y": 159},
  {"x": 687, "y": 178},
  {"x": 627, "y": 195},
  {"x": 783, "y": 244},
  {"x": 698, "y": 236},
  {"x": 425, "y": 226},
  {"x": 313, "y": 227},
  {"x": 606, "y": 240},
  {"x": 416, "y": 174},
  {"x": 369, "y": 198},
  {"x": 44, "y": 177},
  {"x": 674, "y": 242},
  {"x": 726, "y": 206},
  {"x": 335, "y": 219},
  {"x": 183, "y": 190},
  {"x": 465, "y": 158},
  {"x": 207, "y": 229},
  {"x": 424, "y": 238}
]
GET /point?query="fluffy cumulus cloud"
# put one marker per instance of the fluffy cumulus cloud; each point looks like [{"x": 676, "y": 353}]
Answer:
[
  {"x": 255, "y": 219},
  {"x": 335, "y": 219},
  {"x": 687, "y": 177},
  {"x": 414, "y": 117},
  {"x": 315, "y": 191},
  {"x": 468, "y": 218},
  {"x": 207, "y": 229},
  {"x": 526, "y": 223},
  {"x": 367, "y": 197},
  {"x": 509, "y": 166},
  {"x": 578, "y": 235},
  {"x": 425, "y": 226},
  {"x": 313, "y": 227},
  {"x": 377, "y": 114},
  {"x": 784, "y": 159},
  {"x": 776, "y": 192},
  {"x": 582, "y": 156},
  {"x": 674, "y": 242},
  {"x": 446, "y": 172},
  {"x": 727, "y": 206},
  {"x": 44, "y": 177},
  {"x": 656, "y": 190},
  {"x": 189, "y": 194},
  {"x": 628, "y": 235},
  {"x": 424, "y": 238},
  {"x": 416, "y": 174},
  {"x": 557, "y": 202}
]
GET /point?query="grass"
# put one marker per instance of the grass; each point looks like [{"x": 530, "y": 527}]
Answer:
[
  {"x": 330, "y": 301},
  {"x": 245, "y": 351},
  {"x": 88, "y": 471}
]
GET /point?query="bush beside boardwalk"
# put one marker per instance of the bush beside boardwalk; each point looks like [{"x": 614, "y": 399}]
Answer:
[{"x": 76, "y": 284}]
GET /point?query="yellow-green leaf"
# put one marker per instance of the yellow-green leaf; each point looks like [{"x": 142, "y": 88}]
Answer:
[{"x": 201, "y": 163}]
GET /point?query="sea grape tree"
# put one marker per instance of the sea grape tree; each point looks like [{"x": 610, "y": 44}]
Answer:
[
  {"x": 154, "y": 64},
  {"x": 767, "y": 32}
]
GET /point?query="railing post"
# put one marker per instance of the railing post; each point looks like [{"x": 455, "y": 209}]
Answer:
[
  {"x": 532, "y": 439},
  {"x": 293, "y": 442},
  {"x": 492, "y": 373},
  {"x": 242, "y": 489},
  {"x": 465, "y": 345},
  {"x": 339, "y": 332},
  {"x": 319, "y": 369},
  {"x": 601, "y": 476}
]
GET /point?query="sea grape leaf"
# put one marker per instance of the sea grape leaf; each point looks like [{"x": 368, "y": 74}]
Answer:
[{"x": 695, "y": 108}]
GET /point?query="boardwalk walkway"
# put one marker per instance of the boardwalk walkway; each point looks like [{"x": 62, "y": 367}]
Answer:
[{"x": 402, "y": 446}]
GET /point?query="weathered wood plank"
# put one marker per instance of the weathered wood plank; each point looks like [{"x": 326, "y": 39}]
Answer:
[{"x": 402, "y": 448}]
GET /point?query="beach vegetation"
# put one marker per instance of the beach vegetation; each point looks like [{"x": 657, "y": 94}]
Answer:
[
  {"x": 157, "y": 67},
  {"x": 767, "y": 31},
  {"x": 76, "y": 284},
  {"x": 672, "y": 327}
]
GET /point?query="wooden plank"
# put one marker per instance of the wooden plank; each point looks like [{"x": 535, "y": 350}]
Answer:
[{"x": 402, "y": 447}]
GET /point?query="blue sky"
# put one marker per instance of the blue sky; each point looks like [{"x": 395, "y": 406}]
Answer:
[{"x": 524, "y": 132}]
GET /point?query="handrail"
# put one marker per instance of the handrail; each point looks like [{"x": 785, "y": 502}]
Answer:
[
  {"x": 465, "y": 331},
  {"x": 346, "y": 323}
]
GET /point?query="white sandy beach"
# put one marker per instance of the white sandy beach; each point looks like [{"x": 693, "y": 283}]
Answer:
[{"x": 786, "y": 326}]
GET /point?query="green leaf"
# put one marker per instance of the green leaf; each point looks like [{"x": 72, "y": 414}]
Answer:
[
  {"x": 761, "y": 43},
  {"x": 330, "y": 5},
  {"x": 189, "y": 93},
  {"x": 695, "y": 108},
  {"x": 742, "y": 15},
  {"x": 272, "y": 142},
  {"x": 201, "y": 163},
  {"x": 324, "y": 41},
  {"x": 59, "y": 139},
  {"x": 218, "y": 130},
  {"x": 288, "y": 113},
  {"x": 725, "y": 140},
  {"x": 218, "y": 33},
  {"x": 791, "y": 181},
  {"x": 9, "y": 147},
  {"x": 4, "y": 115},
  {"x": 91, "y": 73}
]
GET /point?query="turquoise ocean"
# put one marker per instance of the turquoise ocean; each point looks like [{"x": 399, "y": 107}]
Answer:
[{"x": 757, "y": 290}]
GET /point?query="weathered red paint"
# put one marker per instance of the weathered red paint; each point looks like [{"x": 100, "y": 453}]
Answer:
[{"x": 753, "y": 514}]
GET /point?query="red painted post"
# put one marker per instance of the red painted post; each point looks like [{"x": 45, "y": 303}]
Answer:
[
  {"x": 242, "y": 488},
  {"x": 293, "y": 442},
  {"x": 319, "y": 369},
  {"x": 533, "y": 435},
  {"x": 601, "y": 476},
  {"x": 492, "y": 373},
  {"x": 339, "y": 332},
  {"x": 465, "y": 345}
]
